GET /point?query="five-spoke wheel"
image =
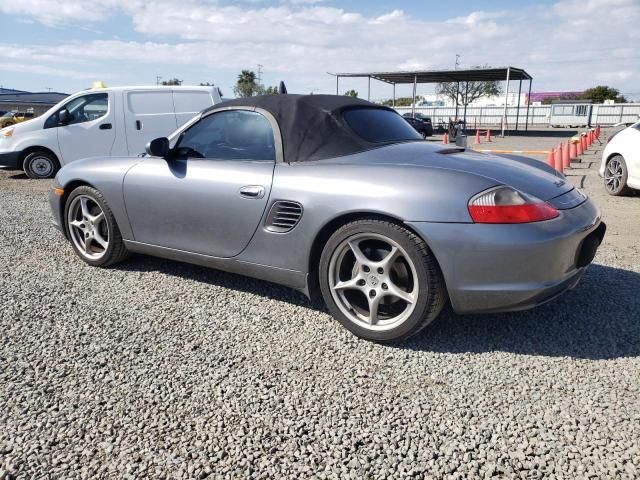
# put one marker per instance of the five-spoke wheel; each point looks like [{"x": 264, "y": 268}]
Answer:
[
  {"x": 373, "y": 281},
  {"x": 92, "y": 228},
  {"x": 380, "y": 280},
  {"x": 87, "y": 227}
]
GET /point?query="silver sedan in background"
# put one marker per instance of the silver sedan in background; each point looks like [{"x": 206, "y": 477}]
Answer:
[{"x": 340, "y": 198}]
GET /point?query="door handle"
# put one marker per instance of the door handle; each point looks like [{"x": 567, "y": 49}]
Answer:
[
  {"x": 252, "y": 191},
  {"x": 138, "y": 125},
  {"x": 105, "y": 126}
]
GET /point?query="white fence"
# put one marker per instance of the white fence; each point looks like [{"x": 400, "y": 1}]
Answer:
[{"x": 539, "y": 115}]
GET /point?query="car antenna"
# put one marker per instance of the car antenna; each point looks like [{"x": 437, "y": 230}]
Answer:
[{"x": 282, "y": 89}]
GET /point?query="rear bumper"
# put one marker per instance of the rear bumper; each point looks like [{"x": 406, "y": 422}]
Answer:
[
  {"x": 494, "y": 268},
  {"x": 10, "y": 159}
]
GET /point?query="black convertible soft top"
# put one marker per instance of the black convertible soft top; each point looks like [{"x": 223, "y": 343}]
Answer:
[{"x": 312, "y": 126}]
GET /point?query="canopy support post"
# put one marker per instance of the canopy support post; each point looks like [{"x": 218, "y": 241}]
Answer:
[
  {"x": 394, "y": 95},
  {"x": 369, "y": 89},
  {"x": 413, "y": 108},
  {"x": 466, "y": 97},
  {"x": 506, "y": 99},
  {"x": 518, "y": 110},
  {"x": 337, "y": 80},
  {"x": 526, "y": 124},
  {"x": 457, "y": 94}
]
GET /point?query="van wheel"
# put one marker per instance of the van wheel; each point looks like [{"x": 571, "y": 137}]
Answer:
[{"x": 41, "y": 164}]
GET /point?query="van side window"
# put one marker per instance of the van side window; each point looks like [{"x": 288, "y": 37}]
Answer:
[
  {"x": 82, "y": 109},
  {"x": 229, "y": 135}
]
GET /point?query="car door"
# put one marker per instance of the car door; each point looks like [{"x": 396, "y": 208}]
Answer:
[
  {"x": 90, "y": 129},
  {"x": 631, "y": 153},
  {"x": 209, "y": 197},
  {"x": 148, "y": 114}
]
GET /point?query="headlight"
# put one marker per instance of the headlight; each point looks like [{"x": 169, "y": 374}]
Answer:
[{"x": 7, "y": 132}]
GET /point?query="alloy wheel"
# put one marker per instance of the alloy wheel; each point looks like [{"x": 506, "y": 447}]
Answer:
[
  {"x": 88, "y": 227},
  {"x": 373, "y": 281},
  {"x": 613, "y": 175}
]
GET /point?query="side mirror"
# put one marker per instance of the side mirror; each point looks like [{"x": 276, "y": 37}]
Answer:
[
  {"x": 158, "y": 147},
  {"x": 64, "y": 116}
]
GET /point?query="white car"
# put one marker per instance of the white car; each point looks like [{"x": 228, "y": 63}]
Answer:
[
  {"x": 620, "y": 165},
  {"x": 100, "y": 122}
]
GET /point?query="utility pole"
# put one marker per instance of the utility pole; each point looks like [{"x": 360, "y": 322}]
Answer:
[
  {"x": 158, "y": 78},
  {"x": 457, "y": 61},
  {"x": 260, "y": 73}
]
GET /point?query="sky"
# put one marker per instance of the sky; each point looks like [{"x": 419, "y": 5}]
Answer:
[{"x": 65, "y": 45}]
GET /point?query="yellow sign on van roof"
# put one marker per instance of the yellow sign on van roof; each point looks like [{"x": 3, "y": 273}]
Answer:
[{"x": 98, "y": 84}]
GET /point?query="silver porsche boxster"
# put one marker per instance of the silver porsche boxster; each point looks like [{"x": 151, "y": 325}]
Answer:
[{"x": 342, "y": 198}]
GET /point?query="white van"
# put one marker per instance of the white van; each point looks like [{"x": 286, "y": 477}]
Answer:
[{"x": 100, "y": 122}]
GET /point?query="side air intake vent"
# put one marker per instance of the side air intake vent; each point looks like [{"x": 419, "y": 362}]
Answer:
[{"x": 283, "y": 216}]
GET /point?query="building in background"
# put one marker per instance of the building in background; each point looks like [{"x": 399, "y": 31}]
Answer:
[{"x": 32, "y": 102}]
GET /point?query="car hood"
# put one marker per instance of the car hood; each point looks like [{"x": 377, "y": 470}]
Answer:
[{"x": 525, "y": 174}]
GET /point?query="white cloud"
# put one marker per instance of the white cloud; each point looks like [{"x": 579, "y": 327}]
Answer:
[{"x": 569, "y": 46}]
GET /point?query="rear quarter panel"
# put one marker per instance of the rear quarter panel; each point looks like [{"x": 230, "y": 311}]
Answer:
[{"x": 328, "y": 191}]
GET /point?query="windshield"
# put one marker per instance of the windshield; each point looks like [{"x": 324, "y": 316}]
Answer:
[
  {"x": 379, "y": 125},
  {"x": 8, "y": 114}
]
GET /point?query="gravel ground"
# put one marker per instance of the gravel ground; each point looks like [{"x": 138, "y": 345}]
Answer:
[{"x": 166, "y": 370}]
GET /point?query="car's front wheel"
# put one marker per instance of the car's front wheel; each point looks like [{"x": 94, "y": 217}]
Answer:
[
  {"x": 40, "y": 164},
  {"x": 615, "y": 176},
  {"x": 92, "y": 228},
  {"x": 380, "y": 280}
]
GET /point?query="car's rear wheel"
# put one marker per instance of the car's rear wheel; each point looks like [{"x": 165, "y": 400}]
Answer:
[
  {"x": 380, "y": 280},
  {"x": 615, "y": 176},
  {"x": 41, "y": 164},
  {"x": 92, "y": 228}
]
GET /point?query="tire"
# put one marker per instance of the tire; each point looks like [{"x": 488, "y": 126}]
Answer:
[
  {"x": 96, "y": 239},
  {"x": 41, "y": 164},
  {"x": 615, "y": 176},
  {"x": 395, "y": 268}
]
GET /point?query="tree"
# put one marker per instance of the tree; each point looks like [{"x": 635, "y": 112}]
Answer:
[
  {"x": 271, "y": 91},
  {"x": 173, "y": 81},
  {"x": 351, "y": 93},
  {"x": 247, "y": 85},
  {"x": 468, "y": 92},
  {"x": 400, "y": 102},
  {"x": 601, "y": 93}
]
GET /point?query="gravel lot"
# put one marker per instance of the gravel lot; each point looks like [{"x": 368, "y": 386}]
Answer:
[{"x": 166, "y": 370}]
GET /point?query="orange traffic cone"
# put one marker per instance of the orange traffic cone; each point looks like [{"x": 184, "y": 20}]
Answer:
[
  {"x": 478, "y": 137},
  {"x": 488, "y": 137},
  {"x": 445, "y": 139},
  {"x": 558, "y": 158},
  {"x": 583, "y": 139},
  {"x": 573, "y": 151},
  {"x": 566, "y": 162},
  {"x": 551, "y": 161},
  {"x": 580, "y": 150}
]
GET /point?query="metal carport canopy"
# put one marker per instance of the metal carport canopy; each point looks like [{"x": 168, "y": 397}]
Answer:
[
  {"x": 443, "y": 76},
  {"x": 437, "y": 76}
]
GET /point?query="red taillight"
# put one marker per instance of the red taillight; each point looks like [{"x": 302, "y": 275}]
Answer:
[{"x": 505, "y": 205}]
